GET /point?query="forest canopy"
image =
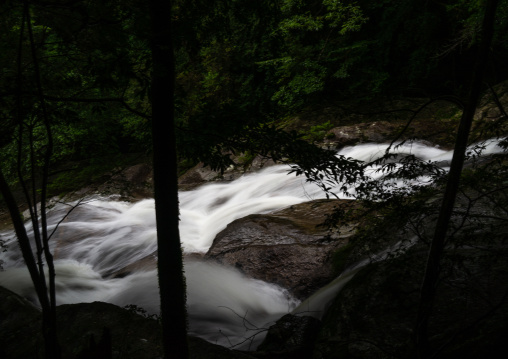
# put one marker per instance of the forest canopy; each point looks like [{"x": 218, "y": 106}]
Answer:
[{"x": 240, "y": 65}]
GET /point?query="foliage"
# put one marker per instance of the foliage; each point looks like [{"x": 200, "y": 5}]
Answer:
[
  {"x": 313, "y": 35},
  {"x": 78, "y": 72},
  {"x": 238, "y": 64},
  {"x": 402, "y": 217},
  {"x": 317, "y": 132},
  {"x": 133, "y": 308}
]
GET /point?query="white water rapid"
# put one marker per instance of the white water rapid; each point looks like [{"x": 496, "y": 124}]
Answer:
[{"x": 105, "y": 249}]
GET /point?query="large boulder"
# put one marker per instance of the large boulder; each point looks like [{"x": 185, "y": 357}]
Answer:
[
  {"x": 380, "y": 131},
  {"x": 287, "y": 247},
  {"x": 291, "y": 337},
  {"x": 130, "y": 183},
  {"x": 373, "y": 315},
  {"x": 90, "y": 330},
  {"x": 201, "y": 174},
  {"x": 19, "y": 325}
]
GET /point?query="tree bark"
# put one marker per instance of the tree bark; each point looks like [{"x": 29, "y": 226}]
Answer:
[
  {"x": 35, "y": 264},
  {"x": 170, "y": 262},
  {"x": 431, "y": 276},
  {"x": 49, "y": 314}
]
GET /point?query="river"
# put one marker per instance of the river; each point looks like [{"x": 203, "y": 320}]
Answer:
[{"x": 105, "y": 249}]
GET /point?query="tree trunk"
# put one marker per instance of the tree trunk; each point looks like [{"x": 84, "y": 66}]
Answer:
[
  {"x": 428, "y": 289},
  {"x": 35, "y": 267},
  {"x": 170, "y": 263},
  {"x": 48, "y": 314}
]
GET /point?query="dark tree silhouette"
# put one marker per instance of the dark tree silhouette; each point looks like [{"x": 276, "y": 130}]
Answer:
[
  {"x": 34, "y": 260},
  {"x": 428, "y": 289},
  {"x": 170, "y": 263}
]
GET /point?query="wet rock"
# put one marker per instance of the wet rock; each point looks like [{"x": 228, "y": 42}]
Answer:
[
  {"x": 380, "y": 131},
  {"x": 131, "y": 334},
  {"x": 19, "y": 326},
  {"x": 291, "y": 336},
  {"x": 286, "y": 248},
  {"x": 489, "y": 116},
  {"x": 373, "y": 315},
  {"x": 200, "y": 174},
  {"x": 134, "y": 181},
  {"x": 86, "y": 329},
  {"x": 131, "y": 183}
]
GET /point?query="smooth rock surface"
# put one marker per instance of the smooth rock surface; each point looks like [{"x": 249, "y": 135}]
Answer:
[
  {"x": 379, "y": 131},
  {"x": 286, "y": 247},
  {"x": 199, "y": 174}
]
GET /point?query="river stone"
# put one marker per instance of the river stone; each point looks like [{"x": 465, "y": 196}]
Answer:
[
  {"x": 373, "y": 316},
  {"x": 19, "y": 321},
  {"x": 131, "y": 335},
  {"x": 134, "y": 181},
  {"x": 285, "y": 247},
  {"x": 201, "y": 174},
  {"x": 380, "y": 131},
  {"x": 292, "y": 336}
]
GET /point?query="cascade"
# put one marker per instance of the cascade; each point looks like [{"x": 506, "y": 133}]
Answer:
[
  {"x": 317, "y": 304},
  {"x": 105, "y": 249}
]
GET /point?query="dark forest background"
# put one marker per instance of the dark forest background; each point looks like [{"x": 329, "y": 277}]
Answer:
[
  {"x": 83, "y": 85},
  {"x": 240, "y": 66}
]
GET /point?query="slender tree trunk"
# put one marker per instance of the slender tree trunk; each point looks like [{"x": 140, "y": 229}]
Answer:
[
  {"x": 170, "y": 263},
  {"x": 35, "y": 264},
  {"x": 428, "y": 289},
  {"x": 23, "y": 240},
  {"x": 49, "y": 314},
  {"x": 48, "y": 326}
]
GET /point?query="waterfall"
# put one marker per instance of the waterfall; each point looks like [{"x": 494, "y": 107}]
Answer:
[
  {"x": 317, "y": 304},
  {"x": 105, "y": 250}
]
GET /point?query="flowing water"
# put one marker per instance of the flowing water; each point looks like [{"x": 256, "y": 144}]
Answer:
[{"x": 105, "y": 249}]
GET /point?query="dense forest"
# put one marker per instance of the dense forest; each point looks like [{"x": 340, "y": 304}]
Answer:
[
  {"x": 239, "y": 66},
  {"x": 87, "y": 84}
]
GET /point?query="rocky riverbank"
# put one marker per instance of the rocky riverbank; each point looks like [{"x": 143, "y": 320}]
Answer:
[
  {"x": 371, "y": 318},
  {"x": 90, "y": 331}
]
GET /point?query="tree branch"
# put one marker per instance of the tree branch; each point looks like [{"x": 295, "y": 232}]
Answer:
[{"x": 98, "y": 100}]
